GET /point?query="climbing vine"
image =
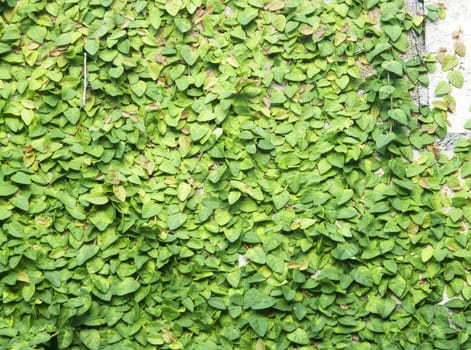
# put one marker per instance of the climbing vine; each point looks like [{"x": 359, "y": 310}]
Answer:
[{"x": 210, "y": 174}]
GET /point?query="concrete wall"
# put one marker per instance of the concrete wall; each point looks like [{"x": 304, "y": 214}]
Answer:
[{"x": 441, "y": 36}]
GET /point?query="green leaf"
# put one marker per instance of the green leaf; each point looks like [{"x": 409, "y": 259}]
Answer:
[
  {"x": 426, "y": 254},
  {"x": 398, "y": 115},
  {"x": 343, "y": 81},
  {"x": 55, "y": 277},
  {"x": 258, "y": 324},
  {"x": 197, "y": 132},
  {"x": 5, "y": 212},
  {"x": 76, "y": 212},
  {"x": 233, "y": 197},
  {"x": 102, "y": 218},
  {"x": 276, "y": 264},
  {"x": 345, "y": 251},
  {"x": 139, "y": 88},
  {"x": 72, "y": 115},
  {"x": 232, "y": 234},
  {"x": 449, "y": 62},
  {"x": 371, "y": 3},
  {"x": 126, "y": 286},
  {"x": 4, "y": 48},
  {"x": 383, "y": 140},
  {"x": 176, "y": 220},
  {"x": 280, "y": 199},
  {"x": 116, "y": 72},
  {"x": 442, "y": 88},
  {"x": 217, "y": 303},
  {"x": 222, "y": 217},
  {"x": 299, "y": 336},
  {"x": 302, "y": 223},
  {"x": 7, "y": 189},
  {"x": 101, "y": 283},
  {"x": 68, "y": 94},
  {"x": 86, "y": 252},
  {"x": 300, "y": 311},
  {"x": 256, "y": 254},
  {"x": 173, "y": 7},
  {"x": 233, "y": 278},
  {"x": 92, "y": 46},
  {"x": 67, "y": 38},
  {"x": 120, "y": 193},
  {"x": 27, "y": 115},
  {"x": 344, "y": 197},
  {"x": 168, "y": 167},
  {"x": 398, "y": 286},
  {"x": 21, "y": 178},
  {"x": 341, "y": 9},
  {"x": 255, "y": 193},
  {"x": 188, "y": 55},
  {"x": 90, "y": 338},
  {"x": 183, "y": 191},
  {"x": 319, "y": 198},
  {"x": 94, "y": 198},
  {"x": 21, "y": 202},
  {"x": 247, "y": 15},
  {"x": 216, "y": 175},
  {"x": 393, "y": 31},
  {"x": 265, "y": 302},
  {"x": 363, "y": 276},
  {"x": 37, "y": 33},
  {"x": 393, "y": 67},
  {"x": 347, "y": 213},
  {"x": 40, "y": 338},
  {"x": 256, "y": 3},
  {"x": 379, "y": 48},
  {"x": 456, "y": 79},
  {"x": 296, "y": 76},
  {"x": 182, "y": 83},
  {"x": 383, "y": 307},
  {"x": 27, "y": 292},
  {"x": 183, "y": 24},
  {"x": 279, "y": 23},
  {"x": 385, "y": 91}
]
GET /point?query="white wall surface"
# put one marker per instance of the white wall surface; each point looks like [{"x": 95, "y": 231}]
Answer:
[{"x": 442, "y": 35}]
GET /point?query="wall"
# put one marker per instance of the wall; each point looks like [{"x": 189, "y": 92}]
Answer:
[{"x": 443, "y": 35}]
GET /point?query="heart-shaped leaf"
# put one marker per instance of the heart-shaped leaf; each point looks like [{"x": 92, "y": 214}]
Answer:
[{"x": 393, "y": 67}]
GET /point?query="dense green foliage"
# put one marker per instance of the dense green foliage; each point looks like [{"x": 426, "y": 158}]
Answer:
[{"x": 236, "y": 175}]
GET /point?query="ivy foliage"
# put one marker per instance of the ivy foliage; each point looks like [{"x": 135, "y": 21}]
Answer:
[{"x": 233, "y": 175}]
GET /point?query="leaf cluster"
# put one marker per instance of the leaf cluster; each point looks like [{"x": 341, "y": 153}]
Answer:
[{"x": 242, "y": 174}]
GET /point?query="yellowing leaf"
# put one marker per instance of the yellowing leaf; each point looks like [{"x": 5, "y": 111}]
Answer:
[
  {"x": 173, "y": 7},
  {"x": 426, "y": 254},
  {"x": 274, "y": 6},
  {"x": 183, "y": 191},
  {"x": 22, "y": 276},
  {"x": 449, "y": 62},
  {"x": 460, "y": 48},
  {"x": 120, "y": 193},
  {"x": 27, "y": 115},
  {"x": 456, "y": 79}
]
